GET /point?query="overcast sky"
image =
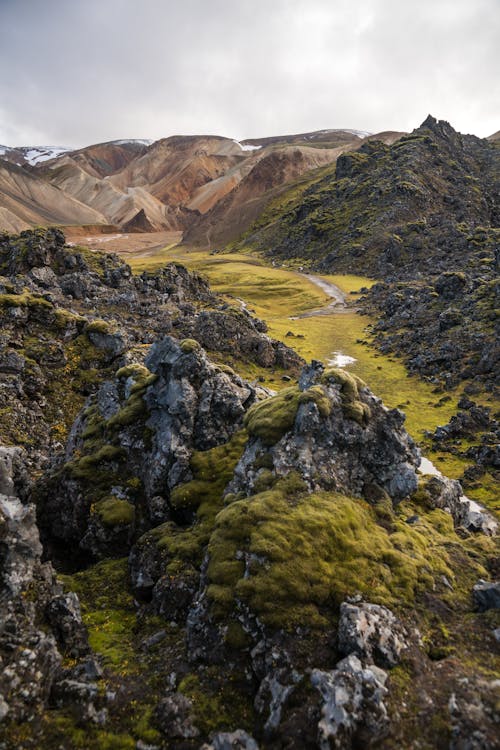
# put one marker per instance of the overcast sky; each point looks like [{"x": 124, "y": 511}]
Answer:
[{"x": 75, "y": 72}]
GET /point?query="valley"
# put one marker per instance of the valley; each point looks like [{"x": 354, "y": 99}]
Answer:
[
  {"x": 216, "y": 390},
  {"x": 294, "y": 307}
]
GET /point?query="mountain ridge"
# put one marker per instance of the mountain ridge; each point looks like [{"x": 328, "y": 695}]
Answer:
[{"x": 174, "y": 180}]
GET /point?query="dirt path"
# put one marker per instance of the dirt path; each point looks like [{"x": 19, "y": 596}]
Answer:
[{"x": 339, "y": 299}]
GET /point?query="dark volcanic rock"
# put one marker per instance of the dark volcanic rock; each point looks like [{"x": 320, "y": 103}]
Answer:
[
  {"x": 371, "y": 632},
  {"x": 336, "y": 434},
  {"x": 34, "y": 612},
  {"x": 353, "y": 712},
  {"x": 487, "y": 595},
  {"x": 158, "y": 417}
]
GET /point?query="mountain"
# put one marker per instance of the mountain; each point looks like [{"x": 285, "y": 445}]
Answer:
[
  {"x": 27, "y": 200},
  {"x": 176, "y": 182},
  {"x": 31, "y": 155},
  {"x": 391, "y": 208},
  {"x": 276, "y": 168}
]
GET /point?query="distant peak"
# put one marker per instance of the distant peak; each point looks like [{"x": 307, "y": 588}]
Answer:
[{"x": 441, "y": 128}]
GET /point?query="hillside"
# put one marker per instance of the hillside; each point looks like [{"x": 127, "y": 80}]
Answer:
[
  {"x": 392, "y": 209},
  {"x": 27, "y": 200},
  {"x": 175, "y": 182}
]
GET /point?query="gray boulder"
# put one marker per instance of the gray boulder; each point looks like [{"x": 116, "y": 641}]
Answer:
[
  {"x": 371, "y": 632},
  {"x": 486, "y": 595},
  {"x": 353, "y": 710}
]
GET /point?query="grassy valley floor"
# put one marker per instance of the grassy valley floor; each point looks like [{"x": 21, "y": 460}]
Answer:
[{"x": 280, "y": 295}]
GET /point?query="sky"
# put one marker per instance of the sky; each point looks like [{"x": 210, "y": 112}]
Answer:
[{"x": 75, "y": 72}]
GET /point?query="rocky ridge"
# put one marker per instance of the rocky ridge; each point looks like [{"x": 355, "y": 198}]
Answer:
[
  {"x": 71, "y": 317},
  {"x": 253, "y": 569}
]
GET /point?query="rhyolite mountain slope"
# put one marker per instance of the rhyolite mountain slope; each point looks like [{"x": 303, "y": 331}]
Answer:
[
  {"x": 173, "y": 182},
  {"x": 241, "y": 569},
  {"x": 27, "y": 200}
]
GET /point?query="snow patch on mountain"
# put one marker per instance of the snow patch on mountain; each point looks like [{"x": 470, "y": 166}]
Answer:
[
  {"x": 141, "y": 141},
  {"x": 247, "y": 146},
  {"x": 37, "y": 154}
]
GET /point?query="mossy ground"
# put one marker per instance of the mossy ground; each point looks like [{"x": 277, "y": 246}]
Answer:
[
  {"x": 115, "y": 634},
  {"x": 278, "y": 294},
  {"x": 310, "y": 552}
]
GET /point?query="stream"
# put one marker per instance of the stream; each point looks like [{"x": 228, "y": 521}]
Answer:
[{"x": 340, "y": 359}]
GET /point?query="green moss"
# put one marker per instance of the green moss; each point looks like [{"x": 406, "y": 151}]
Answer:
[
  {"x": 25, "y": 299},
  {"x": 115, "y": 512},
  {"x": 189, "y": 496},
  {"x": 142, "y": 728},
  {"x": 84, "y": 468},
  {"x": 236, "y": 638},
  {"x": 269, "y": 420},
  {"x": 98, "y": 326},
  {"x": 317, "y": 394},
  {"x": 134, "y": 409},
  {"x": 134, "y": 370},
  {"x": 189, "y": 345},
  {"x": 264, "y": 481},
  {"x": 310, "y": 552},
  {"x": 352, "y": 406},
  {"x": 65, "y": 318},
  {"x": 108, "y": 611},
  {"x": 212, "y": 471},
  {"x": 220, "y": 701}
]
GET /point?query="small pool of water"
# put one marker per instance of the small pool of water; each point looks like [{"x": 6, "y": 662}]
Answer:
[{"x": 340, "y": 360}]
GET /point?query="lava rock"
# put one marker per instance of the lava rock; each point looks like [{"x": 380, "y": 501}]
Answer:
[{"x": 372, "y": 633}]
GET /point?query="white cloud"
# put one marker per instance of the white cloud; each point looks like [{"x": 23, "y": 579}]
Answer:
[{"x": 80, "y": 72}]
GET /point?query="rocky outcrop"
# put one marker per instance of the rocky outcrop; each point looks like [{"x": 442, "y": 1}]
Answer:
[
  {"x": 448, "y": 494},
  {"x": 39, "y": 623},
  {"x": 371, "y": 632},
  {"x": 72, "y": 316},
  {"x": 329, "y": 429},
  {"x": 133, "y": 443}
]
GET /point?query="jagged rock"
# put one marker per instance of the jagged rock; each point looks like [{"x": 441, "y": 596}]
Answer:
[
  {"x": 239, "y": 334},
  {"x": 371, "y": 632},
  {"x": 447, "y": 494},
  {"x": 272, "y": 695},
  {"x": 13, "y": 476},
  {"x": 237, "y": 740},
  {"x": 328, "y": 429},
  {"x": 159, "y": 416},
  {"x": 64, "y": 615},
  {"x": 173, "y": 717},
  {"x": 486, "y": 595},
  {"x": 193, "y": 404},
  {"x": 113, "y": 343},
  {"x": 278, "y": 679},
  {"x": 29, "y": 657},
  {"x": 353, "y": 709}
]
